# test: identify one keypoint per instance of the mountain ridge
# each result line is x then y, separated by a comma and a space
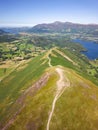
53, 94
62, 27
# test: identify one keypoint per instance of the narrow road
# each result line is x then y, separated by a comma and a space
62, 84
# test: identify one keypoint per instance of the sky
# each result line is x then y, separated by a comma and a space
32, 12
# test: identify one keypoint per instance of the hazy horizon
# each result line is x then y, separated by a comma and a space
20, 13
30, 25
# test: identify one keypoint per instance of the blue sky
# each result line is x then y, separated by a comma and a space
32, 12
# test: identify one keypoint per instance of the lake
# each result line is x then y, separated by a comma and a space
91, 47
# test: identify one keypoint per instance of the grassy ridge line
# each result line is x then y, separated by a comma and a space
61, 84
35, 114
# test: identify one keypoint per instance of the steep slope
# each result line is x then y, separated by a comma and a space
51, 94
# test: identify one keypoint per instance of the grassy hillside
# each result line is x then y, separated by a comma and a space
78, 62
18, 81
77, 108
27, 94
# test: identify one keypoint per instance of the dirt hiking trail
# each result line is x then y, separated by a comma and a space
61, 84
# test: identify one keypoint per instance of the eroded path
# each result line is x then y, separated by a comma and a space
62, 84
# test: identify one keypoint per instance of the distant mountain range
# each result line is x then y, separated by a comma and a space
56, 27
63, 27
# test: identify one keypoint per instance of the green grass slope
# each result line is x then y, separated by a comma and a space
17, 82
77, 108
27, 94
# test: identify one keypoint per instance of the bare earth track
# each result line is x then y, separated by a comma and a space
62, 84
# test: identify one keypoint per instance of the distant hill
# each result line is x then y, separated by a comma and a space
63, 27
15, 30
6, 36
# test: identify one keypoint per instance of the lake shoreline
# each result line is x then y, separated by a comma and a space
91, 48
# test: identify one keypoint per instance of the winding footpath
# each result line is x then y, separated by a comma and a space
49, 61
62, 84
